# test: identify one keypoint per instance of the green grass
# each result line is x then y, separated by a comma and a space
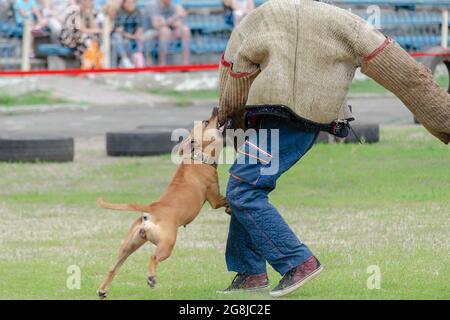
33, 98
386, 204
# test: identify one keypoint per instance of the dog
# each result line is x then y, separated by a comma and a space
92, 57
193, 184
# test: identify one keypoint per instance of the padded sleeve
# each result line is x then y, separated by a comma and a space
413, 83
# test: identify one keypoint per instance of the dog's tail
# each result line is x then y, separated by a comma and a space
123, 207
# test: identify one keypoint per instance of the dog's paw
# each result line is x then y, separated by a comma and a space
102, 294
151, 281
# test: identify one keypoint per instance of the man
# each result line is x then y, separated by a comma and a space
167, 20
288, 67
29, 10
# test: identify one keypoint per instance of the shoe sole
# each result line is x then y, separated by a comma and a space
284, 292
254, 290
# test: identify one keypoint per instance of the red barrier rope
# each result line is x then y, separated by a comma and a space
429, 54
157, 69
75, 72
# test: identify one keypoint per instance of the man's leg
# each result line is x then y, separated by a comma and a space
241, 255
268, 231
248, 191
164, 36
242, 258
184, 33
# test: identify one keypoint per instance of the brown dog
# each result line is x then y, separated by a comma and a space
192, 185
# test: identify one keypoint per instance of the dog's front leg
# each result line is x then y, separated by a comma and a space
163, 251
215, 199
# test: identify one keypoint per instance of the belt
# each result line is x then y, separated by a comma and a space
338, 128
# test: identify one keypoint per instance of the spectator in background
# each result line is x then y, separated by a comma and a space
80, 27
240, 8
28, 9
110, 10
127, 36
5, 10
167, 19
228, 12
54, 12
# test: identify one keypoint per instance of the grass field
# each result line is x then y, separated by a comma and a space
355, 205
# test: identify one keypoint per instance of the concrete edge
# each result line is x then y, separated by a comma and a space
42, 108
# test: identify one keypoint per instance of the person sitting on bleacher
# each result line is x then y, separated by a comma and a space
80, 29
28, 9
54, 11
167, 19
240, 9
127, 36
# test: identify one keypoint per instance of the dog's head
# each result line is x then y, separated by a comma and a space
205, 136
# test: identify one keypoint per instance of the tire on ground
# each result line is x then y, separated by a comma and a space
36, 149
323, 137
165, 127
139, 143
367, 133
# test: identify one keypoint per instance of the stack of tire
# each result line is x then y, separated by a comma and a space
20, 148
366, 133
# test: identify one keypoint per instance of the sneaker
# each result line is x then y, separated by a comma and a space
242, 282
126, 63
297, 277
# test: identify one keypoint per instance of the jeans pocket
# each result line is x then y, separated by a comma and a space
249, 163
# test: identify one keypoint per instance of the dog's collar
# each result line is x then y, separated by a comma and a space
198, 156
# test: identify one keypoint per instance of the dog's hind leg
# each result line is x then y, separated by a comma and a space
163, 251
130, 244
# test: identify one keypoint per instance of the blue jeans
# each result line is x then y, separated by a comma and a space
257, 231
120, 47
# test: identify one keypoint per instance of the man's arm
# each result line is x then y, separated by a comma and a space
236, 75
389, 65
413, 83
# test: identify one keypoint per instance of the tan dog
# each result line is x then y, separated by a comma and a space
192, 185
92, 57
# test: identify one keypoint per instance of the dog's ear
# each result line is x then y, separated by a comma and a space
187, 143
215, 112
184, 145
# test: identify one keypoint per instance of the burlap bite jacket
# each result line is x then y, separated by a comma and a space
303, 55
